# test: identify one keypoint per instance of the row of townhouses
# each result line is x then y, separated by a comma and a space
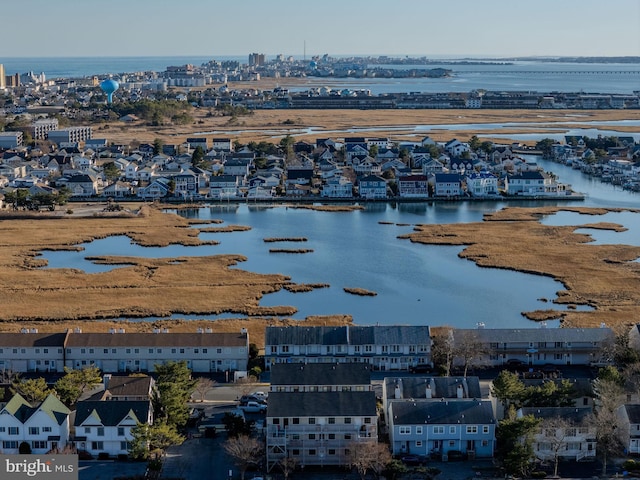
388, 347
118, 351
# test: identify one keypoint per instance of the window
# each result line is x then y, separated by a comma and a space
276, 421
452, 429
151, 350
39, 444
204, 350
34, 430
472, 429
332, 451
3, 429
438, 429
331, 420
173, 350
97, 445
182, 350
368, 348
45, 350
46, 429
10, 444
91, 351
295, 451
125, 446
418, 443
485, 443
15, 350
83, 350
367, 420
37, 350
347, 420
419, 430
312, 436
106, 350
14, 430
101, 431
136, 350
347, 436
332, 436
87, 430
385, 348
295, 421
312, 421
405, 430
452, 443
121, 431
128, 350
312, 451
485, 429
196, 350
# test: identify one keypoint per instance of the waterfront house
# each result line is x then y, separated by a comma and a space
223, 186
442, 429
338, 187
482, 184
537, 346
104, 427
372, 187
43, 426
159, 188
316, 413
388, 347
447, 185
456, 148
413, 186
564, 432
222, 144
529, 183
81, 185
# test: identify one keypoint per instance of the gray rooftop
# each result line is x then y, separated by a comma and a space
320, 374
520, 335
349, 335
570, 414
441, 413
441, 387
321, 404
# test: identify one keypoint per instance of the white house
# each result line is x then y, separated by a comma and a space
44, 426
105, 426
482, 184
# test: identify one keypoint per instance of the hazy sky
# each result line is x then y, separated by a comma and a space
337, 27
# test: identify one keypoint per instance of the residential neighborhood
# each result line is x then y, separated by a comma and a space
332, 393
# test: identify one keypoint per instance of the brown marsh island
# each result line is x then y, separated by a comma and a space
602, 276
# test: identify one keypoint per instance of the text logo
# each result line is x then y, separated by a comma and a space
46, 467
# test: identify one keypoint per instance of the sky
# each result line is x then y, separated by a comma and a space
493, 28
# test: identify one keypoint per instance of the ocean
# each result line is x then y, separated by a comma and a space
540, 76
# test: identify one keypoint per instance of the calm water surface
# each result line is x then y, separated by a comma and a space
415, 283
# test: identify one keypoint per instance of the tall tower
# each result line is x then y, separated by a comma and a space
3, 80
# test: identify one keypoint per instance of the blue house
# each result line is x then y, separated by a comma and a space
442, 428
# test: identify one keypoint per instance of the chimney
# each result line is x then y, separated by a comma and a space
428, 393
460, 391
398, 390
105, 380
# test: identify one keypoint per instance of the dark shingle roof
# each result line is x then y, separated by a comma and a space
465, 412
111, 413
321, 404
633, 412
349, 335
32, 339
320, 374
441, 387
570, 414
157, 339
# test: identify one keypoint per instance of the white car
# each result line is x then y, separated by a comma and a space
253, 407
261, 395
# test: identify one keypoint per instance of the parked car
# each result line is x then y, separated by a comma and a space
421, 368
244, 399
516, 365
453, 455
411, 460
262, 395
253, 407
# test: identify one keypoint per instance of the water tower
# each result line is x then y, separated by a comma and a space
109, 86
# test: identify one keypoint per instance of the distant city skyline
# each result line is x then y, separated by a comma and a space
493, 28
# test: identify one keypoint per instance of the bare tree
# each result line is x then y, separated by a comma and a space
287, 465
204, 386
365, 456
442, 350
468, 349
555, 431
609, 429
245, 450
